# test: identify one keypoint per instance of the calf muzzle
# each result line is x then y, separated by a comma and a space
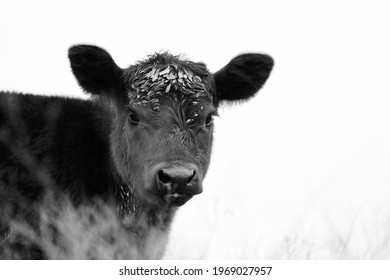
176, 184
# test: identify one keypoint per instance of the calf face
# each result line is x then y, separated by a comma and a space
161, 112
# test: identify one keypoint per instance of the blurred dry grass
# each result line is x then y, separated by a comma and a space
95, 232
339, 233
87, 232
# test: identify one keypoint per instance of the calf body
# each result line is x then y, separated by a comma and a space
134, 152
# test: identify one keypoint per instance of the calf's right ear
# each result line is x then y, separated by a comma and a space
94, 69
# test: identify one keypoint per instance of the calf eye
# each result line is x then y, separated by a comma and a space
133, 117
209, 120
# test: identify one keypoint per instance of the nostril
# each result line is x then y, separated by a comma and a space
163, 177
191, 177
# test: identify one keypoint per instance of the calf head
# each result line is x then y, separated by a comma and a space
162, 113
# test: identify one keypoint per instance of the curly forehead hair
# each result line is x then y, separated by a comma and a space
166, 74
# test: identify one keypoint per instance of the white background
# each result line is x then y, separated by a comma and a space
300, 171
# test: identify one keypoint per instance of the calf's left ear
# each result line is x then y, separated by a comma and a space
94, 69
243, 76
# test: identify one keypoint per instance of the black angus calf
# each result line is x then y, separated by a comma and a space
111, 171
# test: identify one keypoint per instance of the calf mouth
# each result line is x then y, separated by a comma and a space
164, 196
176, 199
170, 199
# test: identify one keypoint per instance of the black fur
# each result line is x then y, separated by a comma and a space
89, 152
